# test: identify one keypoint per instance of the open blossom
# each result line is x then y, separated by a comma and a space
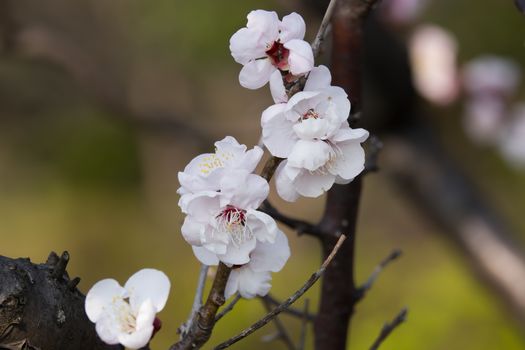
311, 130
226, 222
253, 278
205, 171
267, 45
127, 315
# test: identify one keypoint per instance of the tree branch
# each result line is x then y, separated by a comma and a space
300, 226
197, 300
308, 284
361, 291
282, 334
389, 328
228, 307
321, 33
290, 311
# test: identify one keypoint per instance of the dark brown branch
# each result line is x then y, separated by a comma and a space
290, 311
338, 290
204, 320
361, 291
282, 334
372, 155
389, 328
300, 226
308, 284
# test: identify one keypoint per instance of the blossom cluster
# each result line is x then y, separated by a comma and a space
221, 194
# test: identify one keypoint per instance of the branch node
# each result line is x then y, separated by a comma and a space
60, 267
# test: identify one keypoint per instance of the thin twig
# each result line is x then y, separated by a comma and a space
308, 284
389, 328
228, 307
300, 226
197, 300
375, 274
290, 311
281, 329
319, 38
304, 326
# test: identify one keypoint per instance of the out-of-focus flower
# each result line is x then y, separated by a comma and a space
205, 171
433, 53
126, 315
402, 11
491, 75
489, 82
512, 140
254, 277
311, 130
226, 221
267, 45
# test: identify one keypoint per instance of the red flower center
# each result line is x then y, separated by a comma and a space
278, 55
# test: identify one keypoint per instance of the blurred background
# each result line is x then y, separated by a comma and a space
103, 102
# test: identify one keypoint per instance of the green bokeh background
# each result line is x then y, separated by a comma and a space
76, 176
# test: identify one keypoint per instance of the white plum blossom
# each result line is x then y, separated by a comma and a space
311, 130
267, 45
205, 171
512, 139
127, 315
489, 83
253, 278
433, 55
226, 222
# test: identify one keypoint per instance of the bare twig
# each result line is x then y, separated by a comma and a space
290, 311
308, 284
197, 300
319, 38
300, 226
228, 307
304, 326
375, 274
389, 327
281, 329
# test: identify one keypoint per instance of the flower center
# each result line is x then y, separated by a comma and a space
311, 113
124, 316
232, 221
278, 55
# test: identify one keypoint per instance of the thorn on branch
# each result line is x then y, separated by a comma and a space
60, 266
389, 327
71, 285
361, 291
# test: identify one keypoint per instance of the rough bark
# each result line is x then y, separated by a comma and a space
41, 308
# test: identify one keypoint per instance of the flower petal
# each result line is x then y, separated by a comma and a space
292, 27
246, 45
238, 254
345, 133
251, 283
145, 315
100, 296
301, 59
193, 231
310, 129
255, 74
319, 78
201, 205
243, 190
351, 162
309, 154
205, 256
232, 286
108, 330
313, 185
137, 339
270, 256
278, 134
284, 185
262, 225
266, 23
148, 284
277, 88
